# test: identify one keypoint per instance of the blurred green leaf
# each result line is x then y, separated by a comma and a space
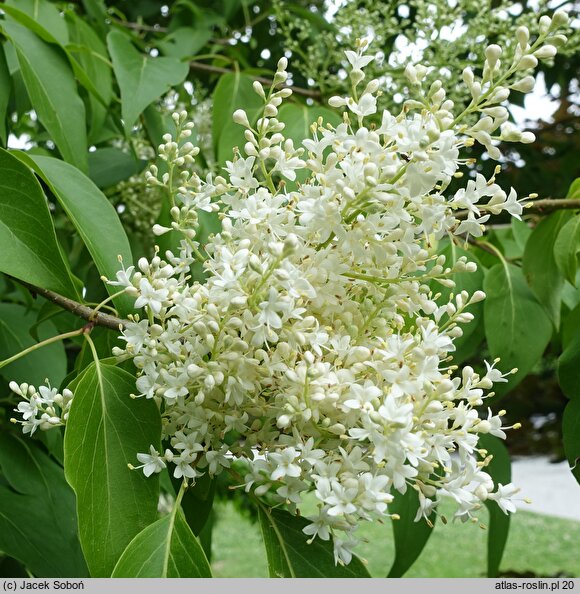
233, 91
197, 502
464, 281
410, 536
184, 42
540, 267
521, 232
567, 247
5, 90
34, 368
517, 327
108, 166
500, 471
38, 524
574, 190
571, 435
569, 361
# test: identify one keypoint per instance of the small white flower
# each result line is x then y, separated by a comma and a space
151, 462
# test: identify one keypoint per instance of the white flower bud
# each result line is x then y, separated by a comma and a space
250, 149
477, 297
356, 76
527, 137
559, 19
336, 101
499, 95
240, 117
372, 87
527, 61
497, 112
544, 24
523, 36
160, 230
475, 90
525, 85
468, 77
411, 74
545, 52
259, 89
492, 54
558, 40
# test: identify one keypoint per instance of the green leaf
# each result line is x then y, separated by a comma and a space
540, 267
574, 190
35, 26
567, 247
46, 362
571, 435
5, 90
290, 556
97, 12
38, 524
184, 42
165, 549
105, 430
570, 326
521, 232
109, 166
52, 90
104, 341
517, 327
40, 11
93, 216
92, 56
464, 281
141, 79
569, 361
499, 523
28, 246
156, 125
298, 119
233, 91
410, 536
197, 503
470, 347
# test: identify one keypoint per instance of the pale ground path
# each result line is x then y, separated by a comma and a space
551, 487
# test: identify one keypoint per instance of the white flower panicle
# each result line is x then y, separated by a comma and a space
316, 349
316, 340
41, 408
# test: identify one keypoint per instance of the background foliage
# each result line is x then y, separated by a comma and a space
86, 90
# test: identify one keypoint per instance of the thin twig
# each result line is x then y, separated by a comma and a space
141, 26
541, 207
548, 205
313, 94
78, 309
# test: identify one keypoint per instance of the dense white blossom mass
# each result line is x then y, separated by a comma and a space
316, 348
